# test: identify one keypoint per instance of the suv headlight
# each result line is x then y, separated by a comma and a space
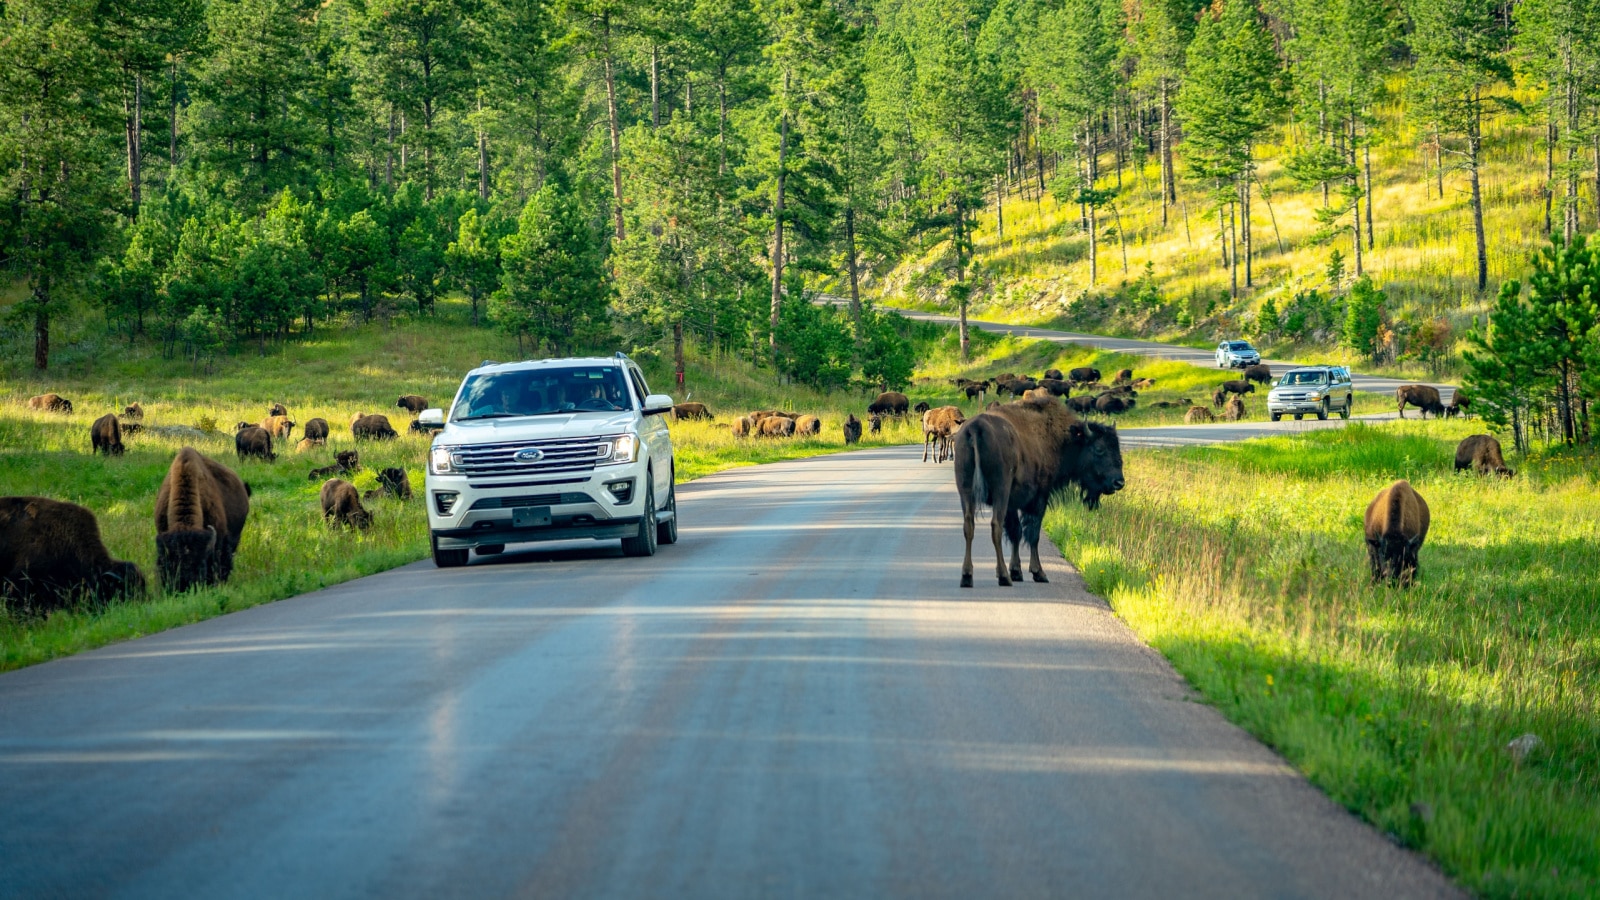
624, 448
1315, 395
444, 461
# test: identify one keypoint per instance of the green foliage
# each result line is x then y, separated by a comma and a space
1364, 317
814, 344
1267, 322
553, 290
887, 358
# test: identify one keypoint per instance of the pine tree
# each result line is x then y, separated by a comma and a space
553, 290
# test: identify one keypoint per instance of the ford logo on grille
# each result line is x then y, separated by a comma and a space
528, 454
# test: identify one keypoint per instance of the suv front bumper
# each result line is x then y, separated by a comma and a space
464, 513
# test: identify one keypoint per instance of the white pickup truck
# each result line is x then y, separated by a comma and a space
550, 450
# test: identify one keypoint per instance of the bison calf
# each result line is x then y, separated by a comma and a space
1396, 525
852, 429
341, 505
278, 426
1481, 454
105, 435
1197, 415
51, 554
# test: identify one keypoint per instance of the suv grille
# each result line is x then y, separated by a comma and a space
559, 455
531, 500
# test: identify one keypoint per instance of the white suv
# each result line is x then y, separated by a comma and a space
550, 450
1237, 355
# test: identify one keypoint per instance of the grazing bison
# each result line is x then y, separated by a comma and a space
1013, 460
253, 440
1083, 403
105, 436
1197, 415
1234, 411
1459, 402
308, 444
392, 482
50, 403
684, 411
51, 554
807, 425
939, 427
278, 426
341, 505
1125, 375
1113, 404
1238, 386
372, 428
976, 389
889, 403
317, 429
1140, 384
1260, 373
875, 423
741, 426
343, 461
777, 426
277, 409
133, 411
1084, 375
921, 407
1422, 397
1056, 387
1054, 375
1397, 524
200, 515
852, 429
1481, 454
411, 403
1171, 404
1219, 397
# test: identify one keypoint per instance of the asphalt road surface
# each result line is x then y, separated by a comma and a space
794, 701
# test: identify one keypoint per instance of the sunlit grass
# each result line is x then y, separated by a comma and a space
1245, 565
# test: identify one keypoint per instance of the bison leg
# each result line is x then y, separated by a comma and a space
1014, 534
1375, 560
1031, 526
969, 525
995, 526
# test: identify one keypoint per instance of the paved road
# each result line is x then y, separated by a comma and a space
794, 701
1207, 358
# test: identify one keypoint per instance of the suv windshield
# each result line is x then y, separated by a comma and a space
1305, 378
539, 392
1238, 345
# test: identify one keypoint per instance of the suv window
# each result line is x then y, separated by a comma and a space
544, 391
1305, 378
1239, 345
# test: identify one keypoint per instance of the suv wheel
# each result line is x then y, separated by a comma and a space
447, 559
1345, 412
667, 532
1277, 416
1322, 411
644, 543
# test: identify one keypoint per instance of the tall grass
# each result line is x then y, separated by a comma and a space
1245, 564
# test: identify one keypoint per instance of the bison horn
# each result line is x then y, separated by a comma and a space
211, 542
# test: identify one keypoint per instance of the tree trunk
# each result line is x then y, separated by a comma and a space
483, 158
1569, 216
388, 162
1366, 164
1549, 172
1169, 193
1244, 230
41, 323
1474, 148
777, 218
655, 86
616, 132
677, 352
1000, 207
850, 261
1355, 213
134, 107
1094, 247
1232, 238
961, 281
172, 149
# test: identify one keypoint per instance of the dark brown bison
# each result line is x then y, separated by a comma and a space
921, 407
50, 403
1481, 454
1057, 387
278, 426
1053, 375
1422, 397
1083, 403
200, 515
889, 403
1459, 403
806, 425
1113, 404
253, 440
133, 411
345, 461
852, 429
691, 411
938, 428
1124, 375
1259, 373
777, 426
411, 403
1013, 460
392, 482
741, 426
1017, 386
875, 423
277, 409
1171, 404
341, 505
1197, 415
105, 436
51, 554
317, 429
372, 428
976, 389
1397, 524
1084, 375
1238, 386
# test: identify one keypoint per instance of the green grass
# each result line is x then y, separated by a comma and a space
287, 549
1245, 565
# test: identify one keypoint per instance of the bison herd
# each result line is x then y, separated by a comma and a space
52, 553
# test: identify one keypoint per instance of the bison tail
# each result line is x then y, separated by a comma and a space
980, 491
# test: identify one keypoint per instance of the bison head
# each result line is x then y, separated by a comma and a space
121, 580
1099, 461
185, 558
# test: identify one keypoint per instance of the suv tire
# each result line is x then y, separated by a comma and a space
667, 532
447, 559
1322, 411
1345, 412
644, 543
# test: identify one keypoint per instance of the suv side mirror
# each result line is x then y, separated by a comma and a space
657, 404
431, 418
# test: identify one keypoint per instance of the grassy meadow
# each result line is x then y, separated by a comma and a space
287, 549
1245, 565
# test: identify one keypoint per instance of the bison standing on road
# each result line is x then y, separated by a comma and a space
200, 515
253, 440
51, 554
105, 435
1013, 460
341, 505
372, 428
889, 403
852, 429
1396, 525
1422, 397
939, 427
1481, 454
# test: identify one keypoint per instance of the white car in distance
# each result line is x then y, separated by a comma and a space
550, 450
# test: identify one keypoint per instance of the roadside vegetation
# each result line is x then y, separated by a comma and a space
1245, 564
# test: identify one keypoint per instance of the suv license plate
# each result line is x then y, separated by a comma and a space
530, 516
